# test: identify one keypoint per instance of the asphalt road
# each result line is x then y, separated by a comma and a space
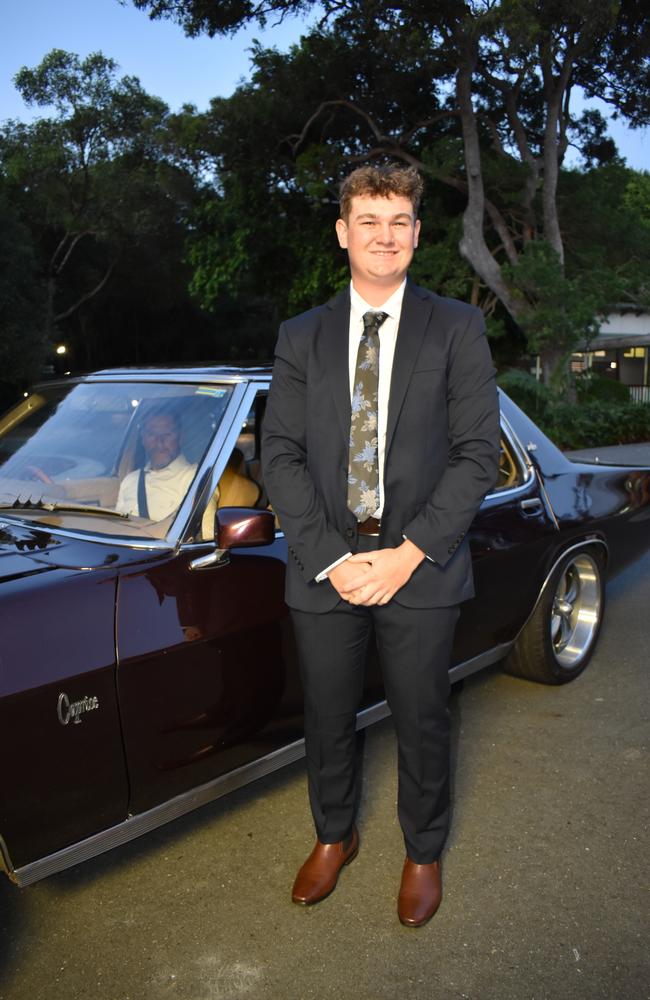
544, 896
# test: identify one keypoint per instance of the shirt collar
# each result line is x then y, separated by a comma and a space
392, 305
175, 466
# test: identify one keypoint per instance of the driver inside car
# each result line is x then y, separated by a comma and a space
156, 490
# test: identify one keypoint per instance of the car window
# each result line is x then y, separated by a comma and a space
510, 470
241, 482
126, 453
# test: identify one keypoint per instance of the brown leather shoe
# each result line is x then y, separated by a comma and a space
420, 893
319, 874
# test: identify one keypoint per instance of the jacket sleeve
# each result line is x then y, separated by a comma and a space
473, 458
313, 542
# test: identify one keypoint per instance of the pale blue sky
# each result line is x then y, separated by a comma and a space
178, 69
181, 70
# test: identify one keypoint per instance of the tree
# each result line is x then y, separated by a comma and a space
502, 73
265, 233
100, 190
78, 176
22, 302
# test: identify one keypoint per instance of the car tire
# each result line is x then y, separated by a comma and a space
559, 638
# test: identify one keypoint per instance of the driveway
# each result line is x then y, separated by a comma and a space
543, 873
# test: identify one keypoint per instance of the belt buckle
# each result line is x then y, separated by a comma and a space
371, 522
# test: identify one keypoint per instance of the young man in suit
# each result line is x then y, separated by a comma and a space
381, 437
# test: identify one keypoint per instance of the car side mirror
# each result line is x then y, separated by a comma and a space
238, 527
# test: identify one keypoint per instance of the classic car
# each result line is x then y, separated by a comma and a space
147, 663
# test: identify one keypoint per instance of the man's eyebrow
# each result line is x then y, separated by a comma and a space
373, 215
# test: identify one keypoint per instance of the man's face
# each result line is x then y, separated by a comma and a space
160, 439
380, 236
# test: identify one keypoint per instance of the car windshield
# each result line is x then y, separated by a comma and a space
115, 458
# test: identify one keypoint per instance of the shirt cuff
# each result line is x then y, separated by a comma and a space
324, 573
425, 555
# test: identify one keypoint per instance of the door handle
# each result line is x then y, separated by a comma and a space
531, 506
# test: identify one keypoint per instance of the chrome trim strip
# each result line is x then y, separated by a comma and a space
547, 499
524, 457
151, 544
486, 659
136, 826
194, 377
533, 469
524, 462
219, 452
373, 714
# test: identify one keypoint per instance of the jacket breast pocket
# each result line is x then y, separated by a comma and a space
430, 369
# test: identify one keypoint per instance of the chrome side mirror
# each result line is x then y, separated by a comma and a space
236, 528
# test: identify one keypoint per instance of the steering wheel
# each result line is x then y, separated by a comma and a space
38, 475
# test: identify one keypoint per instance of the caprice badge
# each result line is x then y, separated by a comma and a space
74, 710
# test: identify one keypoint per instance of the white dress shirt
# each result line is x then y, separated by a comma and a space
387, 342
165, 488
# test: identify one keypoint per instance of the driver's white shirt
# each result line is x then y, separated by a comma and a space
165, 488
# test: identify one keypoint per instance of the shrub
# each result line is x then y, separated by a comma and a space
523, 388
587, 425
595, 420
592, 387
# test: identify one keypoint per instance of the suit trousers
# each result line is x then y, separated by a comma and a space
414, 646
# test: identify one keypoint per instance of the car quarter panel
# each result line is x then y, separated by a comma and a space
613, 503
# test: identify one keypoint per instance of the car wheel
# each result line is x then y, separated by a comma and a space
559, 638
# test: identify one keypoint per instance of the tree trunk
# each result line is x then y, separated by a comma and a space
554, 368
472, 244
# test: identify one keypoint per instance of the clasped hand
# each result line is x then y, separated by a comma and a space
369, 578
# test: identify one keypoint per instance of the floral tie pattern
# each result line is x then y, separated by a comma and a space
363, 467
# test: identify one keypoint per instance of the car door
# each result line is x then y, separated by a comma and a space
508, 541
207, 679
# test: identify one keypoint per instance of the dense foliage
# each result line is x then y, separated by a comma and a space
602, 416
477, 94
136, 235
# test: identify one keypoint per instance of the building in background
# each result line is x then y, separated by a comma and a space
621, 350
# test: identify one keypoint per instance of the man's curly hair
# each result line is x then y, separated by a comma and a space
381, 182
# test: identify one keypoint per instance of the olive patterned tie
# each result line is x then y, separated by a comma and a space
363, 467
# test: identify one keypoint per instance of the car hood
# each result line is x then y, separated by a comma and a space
26, 550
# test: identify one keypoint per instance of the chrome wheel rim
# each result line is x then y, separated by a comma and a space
575, 614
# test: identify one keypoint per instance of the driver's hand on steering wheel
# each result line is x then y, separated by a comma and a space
37, 474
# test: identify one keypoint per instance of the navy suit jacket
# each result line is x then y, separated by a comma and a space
441, 455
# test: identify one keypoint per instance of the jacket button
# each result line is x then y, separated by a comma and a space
349, 532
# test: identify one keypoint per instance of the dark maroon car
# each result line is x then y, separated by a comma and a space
146, 657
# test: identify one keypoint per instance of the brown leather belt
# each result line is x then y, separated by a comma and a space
371, 526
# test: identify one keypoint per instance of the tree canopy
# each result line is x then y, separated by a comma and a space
141, 235
478, 95
96, 185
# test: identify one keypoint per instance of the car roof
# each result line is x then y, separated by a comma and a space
172, 373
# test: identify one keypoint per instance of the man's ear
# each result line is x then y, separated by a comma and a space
342, 233
416, 233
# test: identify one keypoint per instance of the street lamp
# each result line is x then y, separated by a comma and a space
61, 349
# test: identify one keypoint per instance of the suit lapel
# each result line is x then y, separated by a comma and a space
336, 331
416, 310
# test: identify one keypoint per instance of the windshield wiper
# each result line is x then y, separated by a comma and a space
53, 505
